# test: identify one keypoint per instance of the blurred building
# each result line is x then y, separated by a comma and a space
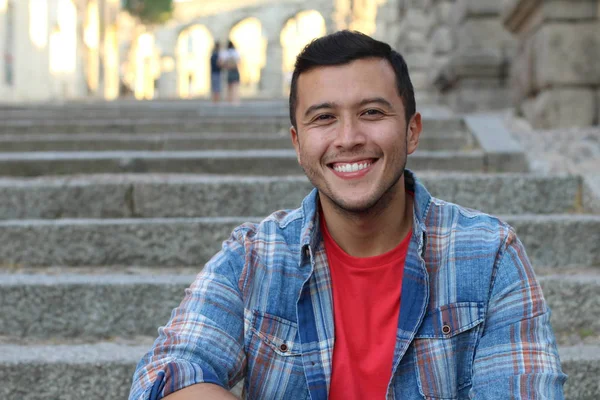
539, 56
173, 60
58, 49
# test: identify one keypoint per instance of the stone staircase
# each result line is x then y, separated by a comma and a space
108, 211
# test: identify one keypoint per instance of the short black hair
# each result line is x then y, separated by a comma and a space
343, 47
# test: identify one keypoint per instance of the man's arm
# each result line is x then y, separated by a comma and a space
203, 342
517, 357
204, 391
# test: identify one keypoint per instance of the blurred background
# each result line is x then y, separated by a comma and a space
120, 177
540, 57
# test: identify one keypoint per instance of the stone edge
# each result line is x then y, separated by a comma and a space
502, 152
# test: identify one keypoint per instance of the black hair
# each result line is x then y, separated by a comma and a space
343, 47
230, 45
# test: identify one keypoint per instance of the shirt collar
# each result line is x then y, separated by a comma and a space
310, 234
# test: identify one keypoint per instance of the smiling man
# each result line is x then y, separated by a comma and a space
372, 289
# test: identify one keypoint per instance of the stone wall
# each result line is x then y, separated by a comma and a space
412, 43
473, 52
556, 73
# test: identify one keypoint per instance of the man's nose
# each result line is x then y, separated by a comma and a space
350, 134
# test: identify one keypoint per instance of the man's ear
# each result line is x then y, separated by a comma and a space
413, 133
295, 142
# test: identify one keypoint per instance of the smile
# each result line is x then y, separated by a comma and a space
354, 167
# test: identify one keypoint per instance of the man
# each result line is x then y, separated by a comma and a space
372, 289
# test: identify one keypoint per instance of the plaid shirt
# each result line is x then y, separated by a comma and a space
473, 321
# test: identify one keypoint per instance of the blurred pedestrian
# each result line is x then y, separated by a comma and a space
215, 73
230, 61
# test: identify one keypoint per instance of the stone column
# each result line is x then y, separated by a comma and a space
386, 23
412, 44
166, 47
474, 76
555, 78
271, 81
441, 40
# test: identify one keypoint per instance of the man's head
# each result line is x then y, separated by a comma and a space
344, 47
352, 127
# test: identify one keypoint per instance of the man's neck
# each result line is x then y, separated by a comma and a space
371, 234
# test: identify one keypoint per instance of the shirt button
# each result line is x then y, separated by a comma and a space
446, 329
283, 347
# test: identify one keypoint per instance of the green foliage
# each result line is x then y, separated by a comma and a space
150, 11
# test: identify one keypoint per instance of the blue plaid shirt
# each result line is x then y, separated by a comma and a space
473, 321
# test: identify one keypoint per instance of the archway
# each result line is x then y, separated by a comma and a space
297, 33
247, 36
194, 47
63, 39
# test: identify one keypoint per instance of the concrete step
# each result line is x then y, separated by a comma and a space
186, 141
582, 365
89, 302
206, 109
142, 109
551, 240
105, 302
188, 109
243, 162
168, 196
574, 298
434, 126
104, 371
148, 125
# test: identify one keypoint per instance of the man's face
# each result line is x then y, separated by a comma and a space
351, 138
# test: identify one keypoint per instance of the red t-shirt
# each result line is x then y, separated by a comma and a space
366, 305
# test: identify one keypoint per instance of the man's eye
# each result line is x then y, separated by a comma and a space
323, 117
372, 112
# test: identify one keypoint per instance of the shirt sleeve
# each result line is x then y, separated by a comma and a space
203, 342
517, 356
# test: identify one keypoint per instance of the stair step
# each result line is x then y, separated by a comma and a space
64, 302
574, 298
551, 240
249, 124
582, 364
105, 370
454, 141
244, 162
97, 303
65, 372
167, 196
432, 126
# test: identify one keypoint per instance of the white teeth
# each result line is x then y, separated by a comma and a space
351, 167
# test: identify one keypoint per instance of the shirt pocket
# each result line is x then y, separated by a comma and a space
445, 347
275, 369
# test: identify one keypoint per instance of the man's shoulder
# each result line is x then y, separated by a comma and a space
280, 225
443, 215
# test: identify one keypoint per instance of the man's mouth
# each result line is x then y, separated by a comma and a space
348, 167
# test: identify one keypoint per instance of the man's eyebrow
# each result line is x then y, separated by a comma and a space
319, 106
377, 100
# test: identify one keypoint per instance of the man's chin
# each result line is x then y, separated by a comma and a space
355, 206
